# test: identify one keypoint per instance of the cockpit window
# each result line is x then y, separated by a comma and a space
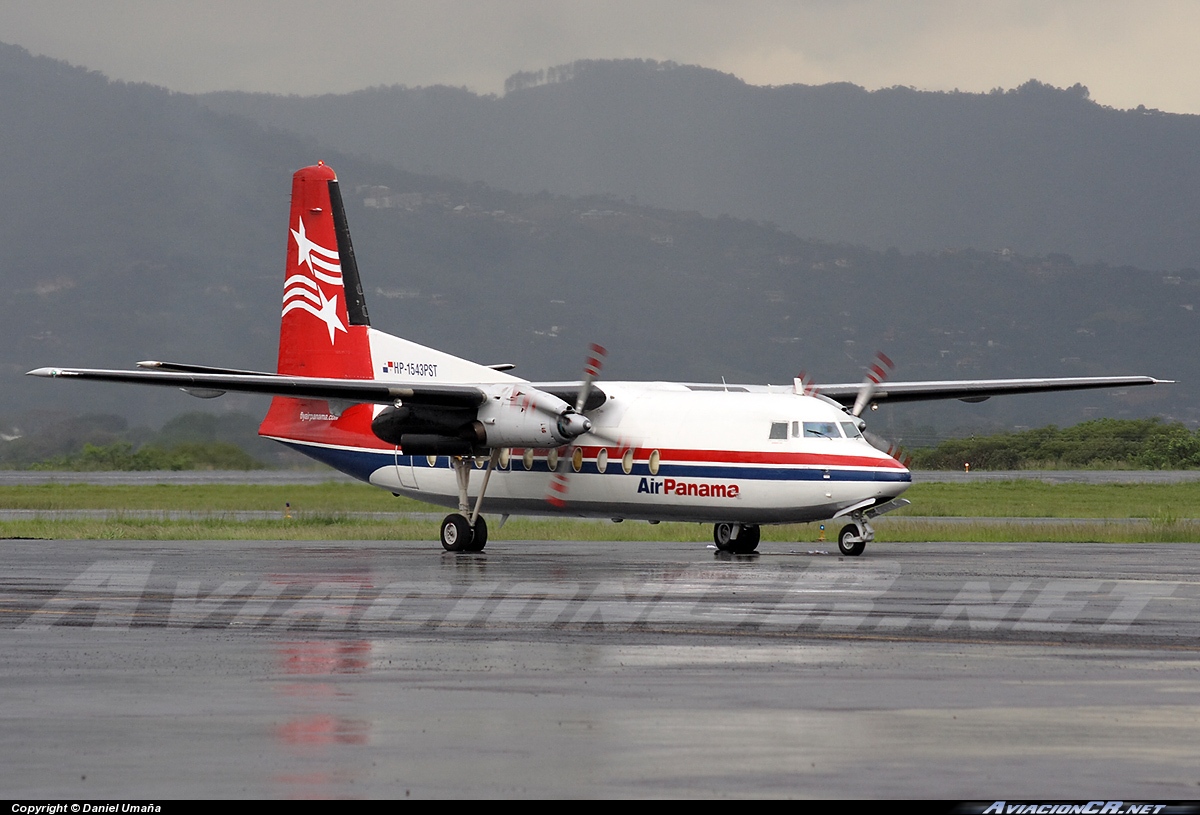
821, 430
778, 430
851, 430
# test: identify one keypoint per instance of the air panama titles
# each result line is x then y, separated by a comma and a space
670, 486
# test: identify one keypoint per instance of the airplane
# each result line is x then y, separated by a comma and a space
416, 421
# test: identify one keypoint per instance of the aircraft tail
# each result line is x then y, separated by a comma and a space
324, 325
324, 330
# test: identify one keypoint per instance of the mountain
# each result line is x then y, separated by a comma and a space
1035, 170
141, 224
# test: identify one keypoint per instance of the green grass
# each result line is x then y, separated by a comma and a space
330, 497
1036, 499
1167, 513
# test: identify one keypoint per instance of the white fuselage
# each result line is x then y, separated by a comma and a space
668, 451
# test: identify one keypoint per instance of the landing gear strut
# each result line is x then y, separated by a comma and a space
737, 539
466, 530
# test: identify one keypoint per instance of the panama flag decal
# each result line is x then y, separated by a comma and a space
303, 290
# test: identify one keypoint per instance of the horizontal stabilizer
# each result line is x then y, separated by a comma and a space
183, 367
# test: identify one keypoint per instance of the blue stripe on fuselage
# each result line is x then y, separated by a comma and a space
356, 463
360, 463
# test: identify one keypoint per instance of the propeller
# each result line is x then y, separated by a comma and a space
894, 450
591, 369
804, 384
574, 424
880, 369
878, 372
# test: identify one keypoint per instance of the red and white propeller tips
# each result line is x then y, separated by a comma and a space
573, 425
894, 450
591, 369
878, 372
881, 368
803, 384
556, 496
595, 361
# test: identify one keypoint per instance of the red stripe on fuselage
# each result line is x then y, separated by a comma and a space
353, 430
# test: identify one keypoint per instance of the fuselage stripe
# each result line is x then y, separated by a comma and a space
360, 463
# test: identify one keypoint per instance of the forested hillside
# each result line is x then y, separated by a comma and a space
139, 224
1035, 169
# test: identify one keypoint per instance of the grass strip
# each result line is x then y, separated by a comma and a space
1166, 513
990, 499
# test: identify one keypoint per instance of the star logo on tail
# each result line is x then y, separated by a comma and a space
305, 293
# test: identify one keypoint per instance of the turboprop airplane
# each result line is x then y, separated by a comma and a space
417, 421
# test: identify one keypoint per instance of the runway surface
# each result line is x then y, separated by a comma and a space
279, 669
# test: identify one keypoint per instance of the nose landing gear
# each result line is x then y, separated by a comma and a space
852, 541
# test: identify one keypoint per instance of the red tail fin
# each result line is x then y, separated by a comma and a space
324, 323
323, 329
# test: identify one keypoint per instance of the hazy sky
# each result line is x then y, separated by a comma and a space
1127, 53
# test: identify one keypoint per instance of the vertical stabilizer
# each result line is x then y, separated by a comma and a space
323, 329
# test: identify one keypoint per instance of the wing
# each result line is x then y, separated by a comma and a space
977, 390
204, 381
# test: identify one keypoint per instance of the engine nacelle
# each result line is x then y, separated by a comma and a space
513, 420
426, 444
516, 416
393, 423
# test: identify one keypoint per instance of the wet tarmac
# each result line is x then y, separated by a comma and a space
158, 670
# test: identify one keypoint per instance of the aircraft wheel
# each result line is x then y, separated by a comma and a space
723, 537
478, 536
847, 543
747, 539
456, 534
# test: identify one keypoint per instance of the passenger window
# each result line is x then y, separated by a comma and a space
778, 430
821, 430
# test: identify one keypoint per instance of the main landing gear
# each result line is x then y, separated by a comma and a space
736, 539
466, 530
459, 536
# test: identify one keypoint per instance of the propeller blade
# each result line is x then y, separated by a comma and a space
591, 369
557, 495
894, 450
878, 372
560, 484
606, 437
803, 384
574, 424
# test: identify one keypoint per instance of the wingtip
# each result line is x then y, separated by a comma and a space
43, 372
